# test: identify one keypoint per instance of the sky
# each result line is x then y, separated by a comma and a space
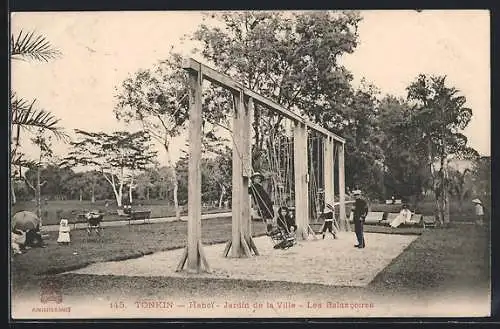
101, 49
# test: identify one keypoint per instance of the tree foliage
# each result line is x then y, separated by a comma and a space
24, 115
117, 156
292, 58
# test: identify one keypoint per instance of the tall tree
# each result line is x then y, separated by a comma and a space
292, 58
438, 117
157, 99
45, 152
405, 174
115, 155
364, 154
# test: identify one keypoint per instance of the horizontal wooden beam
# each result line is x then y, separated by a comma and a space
225, 81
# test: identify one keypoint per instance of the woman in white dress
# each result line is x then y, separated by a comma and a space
64, 237
403, 217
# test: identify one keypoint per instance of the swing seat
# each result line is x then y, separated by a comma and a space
281, 238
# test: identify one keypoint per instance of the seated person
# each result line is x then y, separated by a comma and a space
18, 240
403, 217
33, 239
285, 220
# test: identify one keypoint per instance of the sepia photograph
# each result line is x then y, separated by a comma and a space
250, 164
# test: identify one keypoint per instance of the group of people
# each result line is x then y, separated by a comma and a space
360, 210
24, 240
285, 220
405, 215
26, 232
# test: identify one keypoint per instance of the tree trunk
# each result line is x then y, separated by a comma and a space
13, 190
38, 194
130, 188
147, 193
222, 193
81, 195
445, 198
176, 201
176, 183
118, 193
446, 210
92, 194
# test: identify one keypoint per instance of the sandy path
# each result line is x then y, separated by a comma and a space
329, 262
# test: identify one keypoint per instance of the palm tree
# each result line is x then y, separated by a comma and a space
24, 115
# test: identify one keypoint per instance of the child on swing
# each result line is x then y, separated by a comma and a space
285, 220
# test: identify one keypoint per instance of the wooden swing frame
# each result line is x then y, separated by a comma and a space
241, 243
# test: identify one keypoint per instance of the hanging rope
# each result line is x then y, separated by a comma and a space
281, 169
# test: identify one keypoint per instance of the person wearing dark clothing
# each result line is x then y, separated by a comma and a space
328, 216
359, 214
33, 239
261, 197
285, 220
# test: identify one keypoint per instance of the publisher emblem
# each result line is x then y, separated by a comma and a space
51, 291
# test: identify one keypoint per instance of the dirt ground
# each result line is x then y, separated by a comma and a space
328, 262
444, 272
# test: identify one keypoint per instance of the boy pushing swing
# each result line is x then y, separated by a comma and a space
328, 215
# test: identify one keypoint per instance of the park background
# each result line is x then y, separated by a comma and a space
92, 66
381, 76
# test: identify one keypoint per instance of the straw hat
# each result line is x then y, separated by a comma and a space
476, 201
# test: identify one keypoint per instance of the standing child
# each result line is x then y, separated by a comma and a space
328, 214
64, 237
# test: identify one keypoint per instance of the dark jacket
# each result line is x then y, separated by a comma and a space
263, 200
360, 209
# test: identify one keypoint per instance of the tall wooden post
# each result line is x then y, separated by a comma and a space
241, 242
301, 181
194, 251
344, 223
247, 165
328, 170
334, 154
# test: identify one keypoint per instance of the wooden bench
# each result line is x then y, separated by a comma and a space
373, 217
139, 214
428, 221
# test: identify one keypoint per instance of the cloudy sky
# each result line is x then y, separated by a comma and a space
100, 49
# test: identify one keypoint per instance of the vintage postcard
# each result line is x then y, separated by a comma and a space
250, 164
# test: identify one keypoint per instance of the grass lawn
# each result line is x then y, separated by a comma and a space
53, 211
439, 260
